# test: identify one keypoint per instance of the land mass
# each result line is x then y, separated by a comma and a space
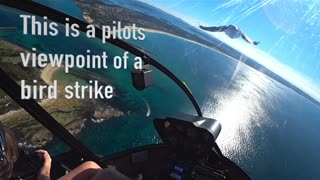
71, 113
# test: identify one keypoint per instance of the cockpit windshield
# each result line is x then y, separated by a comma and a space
252, 65
106, 126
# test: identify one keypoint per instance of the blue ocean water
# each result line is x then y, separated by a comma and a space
267, 129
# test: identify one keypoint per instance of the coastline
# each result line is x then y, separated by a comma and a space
179, 37
182, 38
70, 113
191, 41
150, 24
48, 73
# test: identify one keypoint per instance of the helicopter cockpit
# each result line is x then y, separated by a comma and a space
184, 146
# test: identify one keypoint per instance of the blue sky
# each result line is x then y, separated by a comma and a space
289, 30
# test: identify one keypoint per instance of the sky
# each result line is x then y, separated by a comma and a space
288, 30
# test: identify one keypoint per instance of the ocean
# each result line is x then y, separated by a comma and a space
267, 129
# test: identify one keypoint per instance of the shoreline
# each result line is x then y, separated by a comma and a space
191, 41
87, 18
70, 113
179, 37
48, 73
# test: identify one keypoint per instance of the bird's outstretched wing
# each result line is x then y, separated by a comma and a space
214, 28
246, 38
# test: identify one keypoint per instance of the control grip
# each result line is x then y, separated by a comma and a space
28, 164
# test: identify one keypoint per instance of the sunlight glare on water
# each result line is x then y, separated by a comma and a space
241, 110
